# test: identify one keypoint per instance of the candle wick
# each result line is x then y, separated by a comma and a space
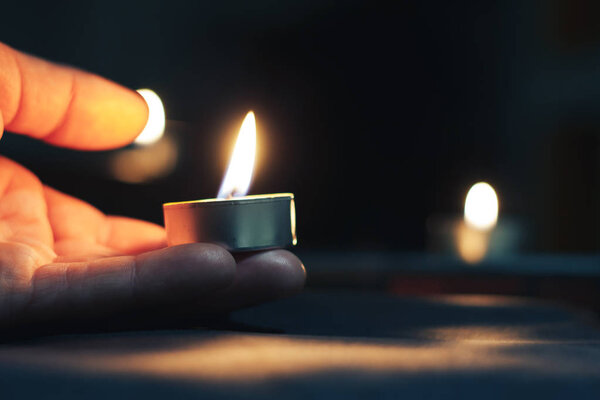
230, 195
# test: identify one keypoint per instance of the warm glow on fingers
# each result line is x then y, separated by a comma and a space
239, 173
481, 206
155, 126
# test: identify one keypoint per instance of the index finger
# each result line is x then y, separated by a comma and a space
65, 106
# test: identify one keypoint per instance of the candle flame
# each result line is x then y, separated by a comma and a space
481, 207
481, 215
155, 126
239, 173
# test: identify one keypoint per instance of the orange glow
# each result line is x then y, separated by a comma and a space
235, 358
471, 243
143, 164
239, 173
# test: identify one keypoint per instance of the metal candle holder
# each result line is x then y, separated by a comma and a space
238, 224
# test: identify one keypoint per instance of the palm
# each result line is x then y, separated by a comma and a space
58, 252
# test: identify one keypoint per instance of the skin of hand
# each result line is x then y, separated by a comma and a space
59, 256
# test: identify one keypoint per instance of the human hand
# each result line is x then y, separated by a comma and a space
61, 256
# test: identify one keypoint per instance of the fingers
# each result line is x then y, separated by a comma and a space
201, 278
133, 236
260, 277
65, 106
175, 275
82, 232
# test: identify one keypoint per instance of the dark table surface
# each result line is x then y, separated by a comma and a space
332, 344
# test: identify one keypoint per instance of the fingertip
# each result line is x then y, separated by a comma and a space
134, 236
291, 271
101, 115
280, 271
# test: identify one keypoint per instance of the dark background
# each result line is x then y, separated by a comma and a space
376, 115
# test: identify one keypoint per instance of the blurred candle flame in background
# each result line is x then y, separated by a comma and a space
481, 206
239, 172
480, 218
155, 126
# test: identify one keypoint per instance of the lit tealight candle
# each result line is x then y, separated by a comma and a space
480, 218
234, 220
